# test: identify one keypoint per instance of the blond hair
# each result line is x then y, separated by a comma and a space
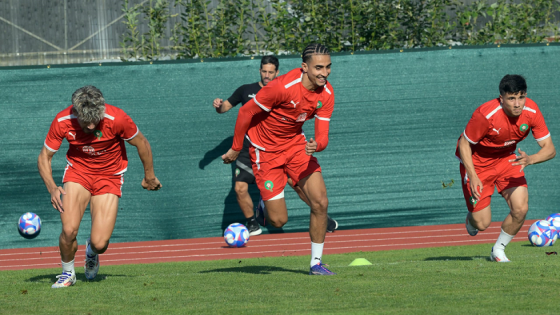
89, 104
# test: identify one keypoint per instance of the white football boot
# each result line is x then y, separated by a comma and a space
498, 256
66, 279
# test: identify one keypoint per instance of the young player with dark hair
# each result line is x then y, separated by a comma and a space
272, 121
269, 69
486, 150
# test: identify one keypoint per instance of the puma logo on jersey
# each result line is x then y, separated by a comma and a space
72, 134
251, 95
295, 104
497, 131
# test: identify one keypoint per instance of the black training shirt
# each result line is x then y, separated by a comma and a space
244, 93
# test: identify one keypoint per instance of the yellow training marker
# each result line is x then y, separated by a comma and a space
360, 262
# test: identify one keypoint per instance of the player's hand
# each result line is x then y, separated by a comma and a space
217, 103
522, 159
310, 147
151, 184
475, 184
56, 202
230, 156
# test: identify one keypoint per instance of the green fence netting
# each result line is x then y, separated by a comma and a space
393, 133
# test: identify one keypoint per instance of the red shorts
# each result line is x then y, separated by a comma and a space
272, 169
95, 184
500, 174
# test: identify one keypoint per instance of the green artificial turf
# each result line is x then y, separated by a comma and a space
445, 280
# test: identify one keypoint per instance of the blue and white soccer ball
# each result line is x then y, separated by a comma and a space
554, 220
542, 233
236, 235
29, 225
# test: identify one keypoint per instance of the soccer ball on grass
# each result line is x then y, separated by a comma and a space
542, 233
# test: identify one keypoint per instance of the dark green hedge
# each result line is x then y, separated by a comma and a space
243, 27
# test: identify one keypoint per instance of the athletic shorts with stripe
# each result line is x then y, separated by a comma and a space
243, 170
500, 174
272, 169
95, 184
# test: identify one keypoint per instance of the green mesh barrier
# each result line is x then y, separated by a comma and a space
393, 133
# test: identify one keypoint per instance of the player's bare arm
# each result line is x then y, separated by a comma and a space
44, 163
546, 153
221, 106
466, 156
150, 181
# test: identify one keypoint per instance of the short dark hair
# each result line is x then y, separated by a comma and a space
270, 60
314, 49
513, 84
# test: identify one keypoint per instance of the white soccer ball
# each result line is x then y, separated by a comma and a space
542, 233
29, 225
236, 235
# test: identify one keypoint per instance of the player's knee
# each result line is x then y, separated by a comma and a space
520, 213
320, 206
482, 225
241, 189
99, 246
69, 234
278, 222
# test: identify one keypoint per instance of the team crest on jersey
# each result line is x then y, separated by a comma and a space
473, 201
268, 185
237, 172
523, 128
301, 117
98, 134
319, 104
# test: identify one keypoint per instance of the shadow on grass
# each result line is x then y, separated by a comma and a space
258, 270
79, 276
443, 258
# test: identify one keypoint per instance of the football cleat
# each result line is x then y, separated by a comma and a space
498, 256
91, 266
331, 225
470, 229
254, 228
66, 279
260, 214
320, 270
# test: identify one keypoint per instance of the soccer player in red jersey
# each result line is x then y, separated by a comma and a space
244, 172
272, 121
97, 161
486, 150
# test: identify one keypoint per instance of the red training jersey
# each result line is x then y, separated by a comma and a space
288, 105
492, 134
102, 152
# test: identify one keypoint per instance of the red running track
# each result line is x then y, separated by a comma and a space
269, 245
